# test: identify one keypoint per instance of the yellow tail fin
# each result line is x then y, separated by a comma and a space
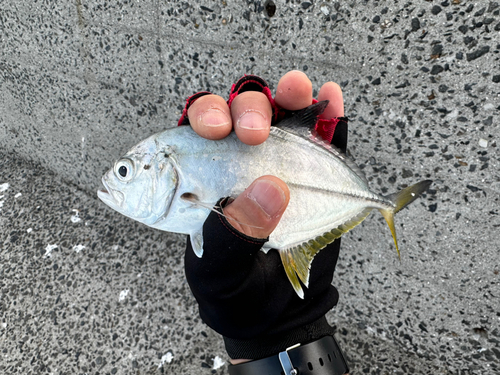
402, 199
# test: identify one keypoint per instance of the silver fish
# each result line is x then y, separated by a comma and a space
171, 180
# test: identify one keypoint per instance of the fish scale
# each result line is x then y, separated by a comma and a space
174, 178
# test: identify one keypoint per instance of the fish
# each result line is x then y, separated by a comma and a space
172, 180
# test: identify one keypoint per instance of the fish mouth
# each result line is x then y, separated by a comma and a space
110, 196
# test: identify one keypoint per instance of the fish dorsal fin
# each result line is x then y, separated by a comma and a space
304, 120
297, 259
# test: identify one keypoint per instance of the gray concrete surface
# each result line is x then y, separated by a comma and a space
82, 81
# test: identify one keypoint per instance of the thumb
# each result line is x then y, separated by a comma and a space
258, 210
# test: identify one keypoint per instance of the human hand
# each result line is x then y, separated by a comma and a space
264, 201
243, 293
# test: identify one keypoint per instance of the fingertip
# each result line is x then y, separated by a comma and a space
294, 91
253, 137
251, 114
210, 117
332, 92
280, 185
271, 194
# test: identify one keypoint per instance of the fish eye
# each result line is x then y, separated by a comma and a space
124, 170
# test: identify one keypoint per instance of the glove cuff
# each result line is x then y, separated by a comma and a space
265, 346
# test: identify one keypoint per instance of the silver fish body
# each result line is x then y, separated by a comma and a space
328, 193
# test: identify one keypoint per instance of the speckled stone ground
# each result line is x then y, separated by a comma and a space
81, 82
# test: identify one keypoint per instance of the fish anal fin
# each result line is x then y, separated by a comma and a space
297, 259
286, 259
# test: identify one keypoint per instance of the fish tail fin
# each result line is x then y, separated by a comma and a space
389, 218
401, 199
404, 197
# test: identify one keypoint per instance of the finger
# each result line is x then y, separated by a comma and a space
332, 92
210, 117
251, 113
294, 91
258, 210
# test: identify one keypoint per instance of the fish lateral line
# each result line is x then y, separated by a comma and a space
193, 199
375, 199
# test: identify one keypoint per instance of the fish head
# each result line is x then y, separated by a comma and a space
141, 184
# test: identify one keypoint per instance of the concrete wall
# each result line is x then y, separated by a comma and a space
83, 81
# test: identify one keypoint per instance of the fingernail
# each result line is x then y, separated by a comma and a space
214, 117
268, 195
253, 120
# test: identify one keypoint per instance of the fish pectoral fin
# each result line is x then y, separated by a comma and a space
193, 199
197, 242
265, 248
297, 259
